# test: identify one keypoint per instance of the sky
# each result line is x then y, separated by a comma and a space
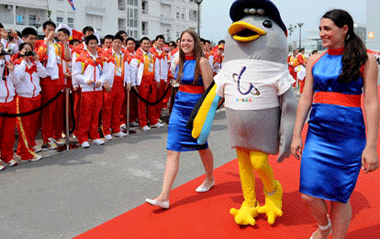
215, 18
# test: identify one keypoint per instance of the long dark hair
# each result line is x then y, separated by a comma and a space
198, 54
355, 53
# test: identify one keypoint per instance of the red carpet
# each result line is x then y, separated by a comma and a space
207, 215
193, 215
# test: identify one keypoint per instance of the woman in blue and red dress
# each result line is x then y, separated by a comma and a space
194, 74
336, 146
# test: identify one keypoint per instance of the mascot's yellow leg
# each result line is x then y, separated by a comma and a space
272, 189
248, 210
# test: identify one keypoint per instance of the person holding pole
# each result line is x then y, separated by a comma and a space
117, 83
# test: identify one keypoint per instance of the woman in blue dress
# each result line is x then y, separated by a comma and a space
194, 74
337, 145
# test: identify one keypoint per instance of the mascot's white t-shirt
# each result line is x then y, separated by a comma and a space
252, 84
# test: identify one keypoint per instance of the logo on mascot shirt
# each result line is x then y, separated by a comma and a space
251, 86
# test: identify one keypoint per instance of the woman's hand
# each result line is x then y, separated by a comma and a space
296, 147
10, 65
370, 162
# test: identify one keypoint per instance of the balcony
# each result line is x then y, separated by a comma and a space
97, 11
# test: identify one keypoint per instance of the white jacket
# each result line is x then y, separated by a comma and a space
85, 71
7, 89
111, 71
29, 84
137, 69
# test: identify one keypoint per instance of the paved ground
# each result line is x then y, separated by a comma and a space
68, 193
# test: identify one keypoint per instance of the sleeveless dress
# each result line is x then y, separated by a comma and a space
331, 159
179, 137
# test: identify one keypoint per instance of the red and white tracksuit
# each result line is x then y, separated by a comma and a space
216, 61
118, 77
53, 114
75, 53
163, 67
28, 98
88, 67
144, 74
7, 105
301, 74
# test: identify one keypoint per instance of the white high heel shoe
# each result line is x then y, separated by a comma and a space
325, 228
155, 202
203, 188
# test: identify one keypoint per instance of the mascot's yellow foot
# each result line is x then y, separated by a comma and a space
246, 214
273, 204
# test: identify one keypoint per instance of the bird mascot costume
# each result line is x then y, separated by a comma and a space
260, 103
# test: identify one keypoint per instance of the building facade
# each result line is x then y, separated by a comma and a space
168, 17
137, 17
373, 26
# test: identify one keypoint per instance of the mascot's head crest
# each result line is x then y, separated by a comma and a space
243, 8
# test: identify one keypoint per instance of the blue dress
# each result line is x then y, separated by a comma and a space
331, 159
179, 137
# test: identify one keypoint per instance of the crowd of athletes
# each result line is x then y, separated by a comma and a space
107, 78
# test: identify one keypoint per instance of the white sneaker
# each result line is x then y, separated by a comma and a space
2, 167
85, 145
108, 137
37, 148
123, 127
120, 134
134, 124
12, 162
98, 141
145, 128
35, 158
59, 142
51, 144
158, 125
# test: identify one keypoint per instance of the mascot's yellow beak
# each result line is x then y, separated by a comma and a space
245, 32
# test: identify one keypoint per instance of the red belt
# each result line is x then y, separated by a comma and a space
334, 98
191, 89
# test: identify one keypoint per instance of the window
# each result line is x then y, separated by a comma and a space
177, 15
70, 22
70, 19
135, 14
144, 28
121, 24
95, 21
121, 5
32, 20
144, 7
177, 34
183, 16
135, 34
193, 15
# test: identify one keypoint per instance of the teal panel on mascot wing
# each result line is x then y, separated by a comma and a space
273, 46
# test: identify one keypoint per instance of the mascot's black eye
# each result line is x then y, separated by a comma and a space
267, 24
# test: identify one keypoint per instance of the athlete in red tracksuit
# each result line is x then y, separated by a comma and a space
146, 78
7, 105
114, 89
53, 115
75, 53
29, 70
90, 70
163, 67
